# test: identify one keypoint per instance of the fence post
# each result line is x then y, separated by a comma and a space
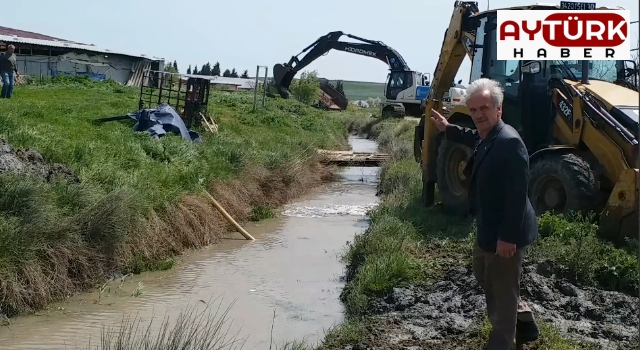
255, 88
264, 86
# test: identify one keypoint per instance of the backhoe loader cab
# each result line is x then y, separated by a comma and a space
580, 125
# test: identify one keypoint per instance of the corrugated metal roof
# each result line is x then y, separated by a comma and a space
31, 35
71, 45
242, 82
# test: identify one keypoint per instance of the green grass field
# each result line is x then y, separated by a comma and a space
361, 90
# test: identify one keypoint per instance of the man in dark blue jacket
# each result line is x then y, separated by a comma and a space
8, 71
498, 174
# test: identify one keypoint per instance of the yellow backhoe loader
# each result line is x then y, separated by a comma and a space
580, 126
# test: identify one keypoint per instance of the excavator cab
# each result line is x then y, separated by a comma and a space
397, 82
580, 126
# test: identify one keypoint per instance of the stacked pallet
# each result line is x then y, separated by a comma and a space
346, 158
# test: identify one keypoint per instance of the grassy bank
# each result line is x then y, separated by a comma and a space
407, 244
137, 202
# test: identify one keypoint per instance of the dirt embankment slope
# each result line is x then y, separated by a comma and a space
410, 285
123, 202
29, 161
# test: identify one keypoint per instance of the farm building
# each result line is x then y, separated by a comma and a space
41, 55
226, 83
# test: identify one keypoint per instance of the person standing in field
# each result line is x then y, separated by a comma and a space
8, 71
498, 173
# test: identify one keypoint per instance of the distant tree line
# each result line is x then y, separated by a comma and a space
207, 69
340, 87
214, 70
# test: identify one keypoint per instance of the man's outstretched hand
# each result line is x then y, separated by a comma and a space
440, 121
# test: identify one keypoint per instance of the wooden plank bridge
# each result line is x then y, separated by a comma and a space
350, 158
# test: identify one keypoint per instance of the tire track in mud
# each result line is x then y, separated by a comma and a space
441, 314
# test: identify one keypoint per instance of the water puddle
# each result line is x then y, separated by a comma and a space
284, 285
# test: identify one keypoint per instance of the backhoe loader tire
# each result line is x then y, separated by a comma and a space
450, 162
562, 183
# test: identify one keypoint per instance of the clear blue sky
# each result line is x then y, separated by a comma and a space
245, 33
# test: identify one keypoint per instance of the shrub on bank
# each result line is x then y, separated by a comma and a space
137, 200
193, 329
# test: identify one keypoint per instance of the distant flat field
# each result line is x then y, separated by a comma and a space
361, 90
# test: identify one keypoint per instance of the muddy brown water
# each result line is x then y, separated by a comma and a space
292, 268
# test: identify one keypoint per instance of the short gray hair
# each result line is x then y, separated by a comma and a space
485, 84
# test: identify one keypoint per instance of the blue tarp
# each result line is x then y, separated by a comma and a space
158, 121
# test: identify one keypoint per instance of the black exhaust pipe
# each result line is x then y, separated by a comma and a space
585, 72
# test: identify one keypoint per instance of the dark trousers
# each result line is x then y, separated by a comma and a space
500, 279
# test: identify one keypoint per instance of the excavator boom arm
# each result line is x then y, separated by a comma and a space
283, 74
453, 49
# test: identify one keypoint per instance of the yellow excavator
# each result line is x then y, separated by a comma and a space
579, 123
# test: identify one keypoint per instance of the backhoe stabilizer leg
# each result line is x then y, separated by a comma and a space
428, 157
428, 191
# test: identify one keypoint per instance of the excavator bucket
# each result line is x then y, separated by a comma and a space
282, 77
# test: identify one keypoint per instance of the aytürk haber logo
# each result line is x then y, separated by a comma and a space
557, 35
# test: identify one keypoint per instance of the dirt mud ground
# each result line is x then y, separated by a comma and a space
20, 161
446, 314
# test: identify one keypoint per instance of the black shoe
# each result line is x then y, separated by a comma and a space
526, 332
